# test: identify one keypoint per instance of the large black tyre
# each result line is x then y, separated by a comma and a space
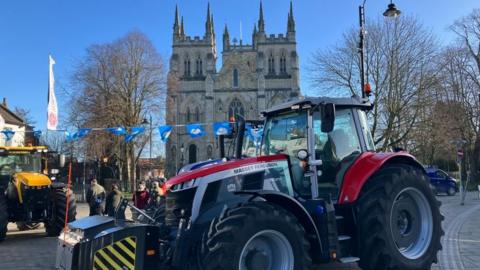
399, 221
3, 216
56, 219
225, 245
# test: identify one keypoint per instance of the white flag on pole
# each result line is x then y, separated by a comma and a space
52, 109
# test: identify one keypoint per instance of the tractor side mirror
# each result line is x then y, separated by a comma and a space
302, 154
327, 114
62, 160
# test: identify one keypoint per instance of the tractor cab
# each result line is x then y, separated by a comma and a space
322, 138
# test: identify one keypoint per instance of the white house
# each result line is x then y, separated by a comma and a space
13, 122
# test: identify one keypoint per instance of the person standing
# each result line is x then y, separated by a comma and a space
96, 198
140, 198
114, 198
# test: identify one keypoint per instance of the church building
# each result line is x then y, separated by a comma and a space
252, 78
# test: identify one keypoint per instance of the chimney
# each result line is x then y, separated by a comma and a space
4, 102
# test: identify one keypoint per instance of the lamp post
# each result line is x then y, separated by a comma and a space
181, 160
150, 148
391, 11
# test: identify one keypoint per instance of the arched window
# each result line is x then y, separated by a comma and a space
235, 108
271, 64
199, 67
197, 114
283, 64
192, 153
235, 77
189, 115
209, 152
186, 67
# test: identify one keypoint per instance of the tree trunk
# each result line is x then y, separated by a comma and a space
475, 161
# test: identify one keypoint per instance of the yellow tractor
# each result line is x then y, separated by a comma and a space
28, 196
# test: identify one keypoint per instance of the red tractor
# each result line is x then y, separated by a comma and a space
317, 193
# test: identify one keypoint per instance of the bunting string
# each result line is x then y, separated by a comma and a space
195, 130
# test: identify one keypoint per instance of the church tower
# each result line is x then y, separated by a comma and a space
252, 77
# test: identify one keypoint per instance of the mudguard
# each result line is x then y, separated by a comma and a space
294, 207
364, 167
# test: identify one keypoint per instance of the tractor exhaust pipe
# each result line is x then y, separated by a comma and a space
240, 136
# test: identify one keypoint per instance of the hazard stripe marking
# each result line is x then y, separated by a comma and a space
126, 250
109, 260
99, 264
119, 255
131, 242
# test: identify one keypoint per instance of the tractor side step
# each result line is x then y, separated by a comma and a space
349, 259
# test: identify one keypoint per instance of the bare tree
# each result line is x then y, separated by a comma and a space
461, 65
399, 54
118, 84
26, 116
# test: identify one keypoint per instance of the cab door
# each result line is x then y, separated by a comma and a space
337, 150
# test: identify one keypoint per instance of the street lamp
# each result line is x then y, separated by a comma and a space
181, 160
391, 11
147, 122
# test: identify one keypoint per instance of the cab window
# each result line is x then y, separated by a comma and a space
339, 146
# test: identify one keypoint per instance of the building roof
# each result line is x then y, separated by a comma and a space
312, 101
10, 117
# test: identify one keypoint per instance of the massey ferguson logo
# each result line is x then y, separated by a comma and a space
254, 167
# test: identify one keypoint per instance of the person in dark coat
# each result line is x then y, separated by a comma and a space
114, 198
141, 197
96, 198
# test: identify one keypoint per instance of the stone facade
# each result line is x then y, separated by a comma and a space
252, 78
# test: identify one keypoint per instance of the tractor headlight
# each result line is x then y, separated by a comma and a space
71, 237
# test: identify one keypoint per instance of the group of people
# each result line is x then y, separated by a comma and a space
102, 203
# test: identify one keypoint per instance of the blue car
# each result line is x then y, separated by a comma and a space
442, 182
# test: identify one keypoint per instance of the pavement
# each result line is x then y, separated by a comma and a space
28, 250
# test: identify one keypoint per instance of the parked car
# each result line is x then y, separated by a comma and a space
442, 182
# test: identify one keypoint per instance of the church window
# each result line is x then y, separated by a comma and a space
235, 108
192, 154
209, 152
199, 66
189, 115
235, 77
283, 65
197, 114
186, 67
271, 64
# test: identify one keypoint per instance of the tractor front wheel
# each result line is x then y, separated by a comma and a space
3, 216
399, 221
256, 235
56, 219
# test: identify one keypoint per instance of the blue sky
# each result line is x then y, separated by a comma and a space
30, 30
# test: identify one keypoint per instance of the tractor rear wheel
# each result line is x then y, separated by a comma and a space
3, 216
256, 235
56, 219
399, 220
